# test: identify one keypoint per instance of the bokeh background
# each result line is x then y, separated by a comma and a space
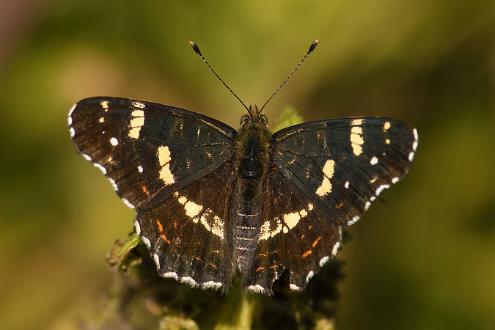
423, 259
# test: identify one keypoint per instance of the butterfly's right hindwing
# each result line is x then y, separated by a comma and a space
186, 233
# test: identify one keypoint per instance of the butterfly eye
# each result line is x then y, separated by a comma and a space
264, 120
244, 120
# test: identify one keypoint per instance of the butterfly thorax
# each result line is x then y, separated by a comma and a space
251, 159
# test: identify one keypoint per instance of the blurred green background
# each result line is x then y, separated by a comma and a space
424, 259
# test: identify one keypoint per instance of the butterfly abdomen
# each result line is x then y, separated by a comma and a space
245, 212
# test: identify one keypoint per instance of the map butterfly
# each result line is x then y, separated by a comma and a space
212, 201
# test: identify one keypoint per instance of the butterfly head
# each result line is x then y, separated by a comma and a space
254, 117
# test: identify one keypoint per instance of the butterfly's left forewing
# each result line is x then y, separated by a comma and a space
345, 164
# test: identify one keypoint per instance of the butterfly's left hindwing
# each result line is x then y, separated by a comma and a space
148, 150
295, 236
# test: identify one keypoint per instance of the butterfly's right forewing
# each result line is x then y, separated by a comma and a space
148, 150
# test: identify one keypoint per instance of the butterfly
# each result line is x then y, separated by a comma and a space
212, 201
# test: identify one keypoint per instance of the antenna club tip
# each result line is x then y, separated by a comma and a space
313, 45
195, 47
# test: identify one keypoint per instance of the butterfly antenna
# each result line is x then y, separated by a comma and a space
196, 49
310, 50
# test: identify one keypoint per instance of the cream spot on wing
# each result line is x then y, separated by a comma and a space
357, 137
192, 209
291, 219
171, 275
324, 260
217, 228
310, 276
326, 185
72, 110
367, 206
156, 260
386, 126
126, 202
137, 227
374, 160
136, 123
211, 285
387, 141
182, 200
266, 233
188, 280
101, 168
381, 188
411, 156
346, 185
136, 104
114, 141
164, 160
104, 105
294, 287
335, 248
140, 169
395, 180
101, 120
114, 185
265, 230
255, 288
353, 220
72, 132
146, 242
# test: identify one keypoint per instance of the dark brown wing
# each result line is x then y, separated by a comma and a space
344, 164
148, 150
186, 232
174, 167
295, 236
325, 175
